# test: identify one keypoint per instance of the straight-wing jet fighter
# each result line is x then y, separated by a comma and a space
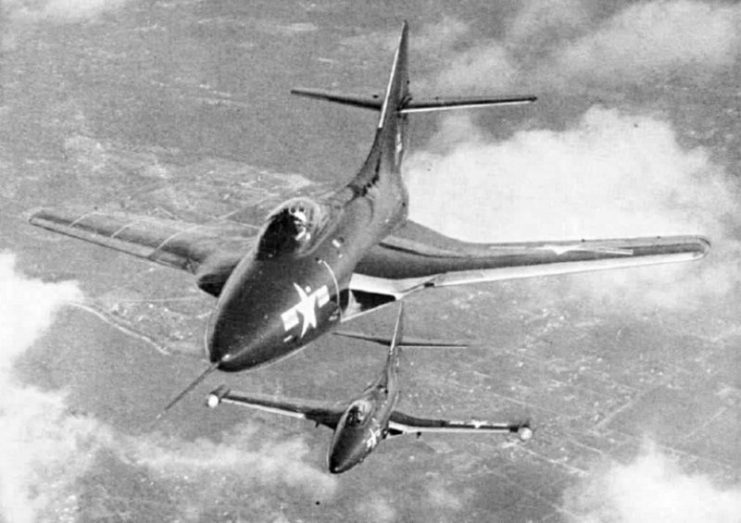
316, 263
369, 418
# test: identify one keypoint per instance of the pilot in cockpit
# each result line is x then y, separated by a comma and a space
290, 228
357, 413
300, 221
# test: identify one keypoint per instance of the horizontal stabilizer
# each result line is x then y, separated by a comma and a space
408, 343
363, 101
463, 102
438, 103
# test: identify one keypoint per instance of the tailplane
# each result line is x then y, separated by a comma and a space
398, 340
397, 100
394, 346
423, 105
407, 343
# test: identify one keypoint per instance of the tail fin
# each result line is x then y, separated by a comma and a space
392, 360
397, 90
397, 98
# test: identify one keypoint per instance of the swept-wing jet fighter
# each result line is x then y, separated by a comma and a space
316, 263
360, 425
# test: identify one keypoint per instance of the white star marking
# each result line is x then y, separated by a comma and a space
373, 440
306, 307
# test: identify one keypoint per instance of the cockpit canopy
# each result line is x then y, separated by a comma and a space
291, 228
358, 413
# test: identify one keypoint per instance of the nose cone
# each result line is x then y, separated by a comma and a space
348, 449
241, 341
263, 313
340, 463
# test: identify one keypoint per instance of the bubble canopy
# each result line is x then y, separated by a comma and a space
357, 414
291, 228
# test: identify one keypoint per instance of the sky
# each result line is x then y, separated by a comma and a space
631, 378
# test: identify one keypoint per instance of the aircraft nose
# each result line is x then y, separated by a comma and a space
347, 451
338, 465
244, 342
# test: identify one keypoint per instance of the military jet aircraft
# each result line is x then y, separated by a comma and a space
316, 263
369, 418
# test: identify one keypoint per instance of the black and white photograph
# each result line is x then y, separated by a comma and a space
326, 261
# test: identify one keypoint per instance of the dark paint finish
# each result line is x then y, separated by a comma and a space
370, 417
316, 263
354, 439
254, 321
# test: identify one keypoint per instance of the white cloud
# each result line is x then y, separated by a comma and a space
655, 39
652, 488
442, 35
539, 22
59, 10
35, 435
610, 174
27, 309
485, 67
563, 46
21, 16
242, 453
46, 448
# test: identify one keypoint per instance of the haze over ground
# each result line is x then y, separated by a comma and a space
632, 378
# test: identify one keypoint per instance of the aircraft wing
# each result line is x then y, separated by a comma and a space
209, 251
415, 257
319, 412
401, 423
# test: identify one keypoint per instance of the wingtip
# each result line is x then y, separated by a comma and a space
34, 215
705, 246
404, 30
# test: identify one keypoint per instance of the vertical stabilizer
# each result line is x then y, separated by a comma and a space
395, 345
397, 89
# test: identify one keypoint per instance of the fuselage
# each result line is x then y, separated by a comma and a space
283, 295
365, 422
292, 287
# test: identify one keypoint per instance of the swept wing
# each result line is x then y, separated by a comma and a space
210, 251
321, 413
416, 257
401, 423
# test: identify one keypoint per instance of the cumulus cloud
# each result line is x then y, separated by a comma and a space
655, 39
651, 488
537, 23
22, 16
27, 309
566, 46
47, 448
32, 421
610, 174
59, 10
243, 453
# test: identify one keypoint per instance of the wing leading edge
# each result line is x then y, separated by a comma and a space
209, 251
319, 412
401, 423
329, 415
416, 257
